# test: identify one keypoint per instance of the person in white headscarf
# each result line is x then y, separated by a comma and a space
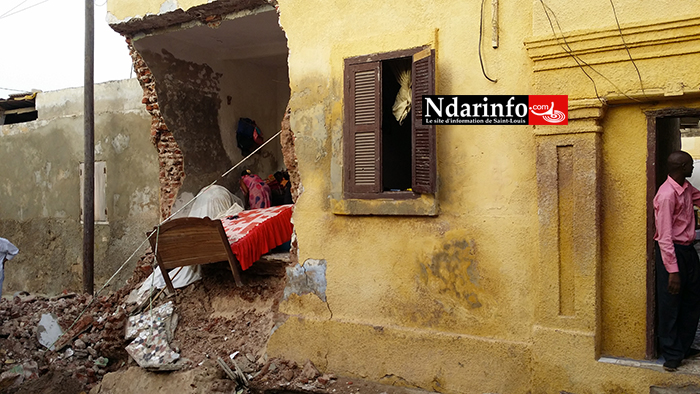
7, 252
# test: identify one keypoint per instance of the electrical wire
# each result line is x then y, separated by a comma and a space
13, 8
15, 90
626, 48
481, 28
544, 7
23, 9
576, 58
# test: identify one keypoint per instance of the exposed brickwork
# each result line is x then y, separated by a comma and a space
170, 158
289, 153
290, 161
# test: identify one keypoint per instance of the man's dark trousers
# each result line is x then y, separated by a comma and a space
678, 313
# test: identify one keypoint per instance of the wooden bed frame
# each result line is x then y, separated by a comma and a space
192, 241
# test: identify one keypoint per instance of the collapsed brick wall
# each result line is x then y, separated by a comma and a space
170, 158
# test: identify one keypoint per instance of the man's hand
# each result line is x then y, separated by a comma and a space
674, 283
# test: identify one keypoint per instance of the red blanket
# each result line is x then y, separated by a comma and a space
256, 231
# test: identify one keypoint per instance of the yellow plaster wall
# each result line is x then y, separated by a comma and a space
450, 302
414, 274
624, 232
660, 40
396, 285
463, 275
598, 14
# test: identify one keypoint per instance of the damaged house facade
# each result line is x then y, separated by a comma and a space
453, 258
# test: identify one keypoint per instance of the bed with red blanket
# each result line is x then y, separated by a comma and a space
239, 239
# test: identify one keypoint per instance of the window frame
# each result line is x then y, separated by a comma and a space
100, 197
349, 129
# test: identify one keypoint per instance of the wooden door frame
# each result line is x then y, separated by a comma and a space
651, 350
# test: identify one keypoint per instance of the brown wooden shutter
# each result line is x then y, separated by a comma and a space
362, 137
424, 179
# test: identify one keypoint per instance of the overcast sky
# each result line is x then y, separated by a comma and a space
43, 45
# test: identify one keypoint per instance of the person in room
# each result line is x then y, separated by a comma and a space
677, 263
257, 192
7, 252
284, 192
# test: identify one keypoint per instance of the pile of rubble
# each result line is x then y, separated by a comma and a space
219, 332
83, 337
91, 348
214, 319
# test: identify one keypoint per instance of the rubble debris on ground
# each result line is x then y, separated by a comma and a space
24, 342
74, 361
48, 330
215, 321
151, 333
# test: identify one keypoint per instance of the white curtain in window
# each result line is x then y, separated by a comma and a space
402, 104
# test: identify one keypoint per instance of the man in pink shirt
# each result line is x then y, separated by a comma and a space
677, 264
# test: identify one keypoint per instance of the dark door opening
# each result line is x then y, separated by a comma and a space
665, 132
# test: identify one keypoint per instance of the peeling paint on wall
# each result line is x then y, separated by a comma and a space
168, 5
120, 143
306, 279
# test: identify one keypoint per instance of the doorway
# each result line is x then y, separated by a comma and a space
668, 130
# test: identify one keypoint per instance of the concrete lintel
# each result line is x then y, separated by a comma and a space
203, 13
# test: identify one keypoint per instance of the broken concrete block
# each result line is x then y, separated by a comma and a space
156, 319
310, 372
48, 330
152, 352
83, 324
152, 331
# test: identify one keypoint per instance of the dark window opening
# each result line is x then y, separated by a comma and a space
396, 138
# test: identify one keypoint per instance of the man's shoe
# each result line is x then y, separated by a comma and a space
692, 353
672, 365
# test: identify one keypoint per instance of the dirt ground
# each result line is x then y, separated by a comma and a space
216, 320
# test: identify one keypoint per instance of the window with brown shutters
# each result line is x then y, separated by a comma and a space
423, 136
385, 157
362, 112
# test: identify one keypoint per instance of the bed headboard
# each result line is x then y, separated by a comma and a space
190, 241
